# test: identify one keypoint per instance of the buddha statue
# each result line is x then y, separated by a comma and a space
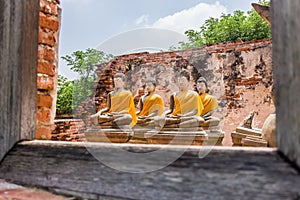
185, 105
151, 105
209, 102
120, 110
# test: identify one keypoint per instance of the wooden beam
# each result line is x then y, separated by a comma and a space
29, 63
228, 173
18, 63
263, 11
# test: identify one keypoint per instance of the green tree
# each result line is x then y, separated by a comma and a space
64, 93
230, 27
83, 62
72, 93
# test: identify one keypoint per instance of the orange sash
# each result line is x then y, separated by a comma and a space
153, 103
123, 102
187, 101
209, 103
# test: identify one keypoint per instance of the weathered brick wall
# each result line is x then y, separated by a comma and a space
68, 130
50, 15
239, 75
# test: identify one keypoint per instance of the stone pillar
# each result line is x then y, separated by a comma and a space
50, 16
286, 63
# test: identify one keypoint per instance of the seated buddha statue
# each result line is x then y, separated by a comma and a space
209, 102
120, 110
151, 105
185, 105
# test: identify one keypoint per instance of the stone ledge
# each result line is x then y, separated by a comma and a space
230, 173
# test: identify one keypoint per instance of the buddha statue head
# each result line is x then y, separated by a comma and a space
150, 85
183, 80
202, 85
119, 80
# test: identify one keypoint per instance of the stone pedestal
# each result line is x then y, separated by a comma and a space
177, 138
248, 137
97, 134
209, 133
206, 133
214, 138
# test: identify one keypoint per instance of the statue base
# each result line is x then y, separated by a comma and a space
98, 134
173, 133
214, 137
177, 138
248, 137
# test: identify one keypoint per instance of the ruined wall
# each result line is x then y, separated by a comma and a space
50, 15
239, 75
247, 79
68, 130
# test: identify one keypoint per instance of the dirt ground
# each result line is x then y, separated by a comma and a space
9, 191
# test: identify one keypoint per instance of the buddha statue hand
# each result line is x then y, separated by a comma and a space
142, 117
116, 114
95, 118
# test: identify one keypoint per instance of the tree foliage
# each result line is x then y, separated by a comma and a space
83, 62
71, 93
64, 93
229, 27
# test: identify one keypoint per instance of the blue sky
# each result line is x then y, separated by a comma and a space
91, 23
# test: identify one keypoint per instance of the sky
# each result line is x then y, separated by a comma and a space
126, 26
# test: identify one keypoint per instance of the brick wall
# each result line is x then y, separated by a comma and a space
50, 15
239, 75
68, 130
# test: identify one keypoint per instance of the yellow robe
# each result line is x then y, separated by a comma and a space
153, 103
209, 103
187, 101
122, 102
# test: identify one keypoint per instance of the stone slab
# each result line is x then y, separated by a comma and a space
250, 142
116, 136
225, 173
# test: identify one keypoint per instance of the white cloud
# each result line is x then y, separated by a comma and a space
191, 18
143, 19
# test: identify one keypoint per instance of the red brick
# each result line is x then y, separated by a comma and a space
44, 100
243, 48
43, 132
231, 46
45, 82
255, 78
47, 54
43, 115
48, 7
49, 22
249, 82
46, 68
46, 38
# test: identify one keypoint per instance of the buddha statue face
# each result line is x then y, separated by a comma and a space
201, 87
183, 83
149, 87
119, 82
